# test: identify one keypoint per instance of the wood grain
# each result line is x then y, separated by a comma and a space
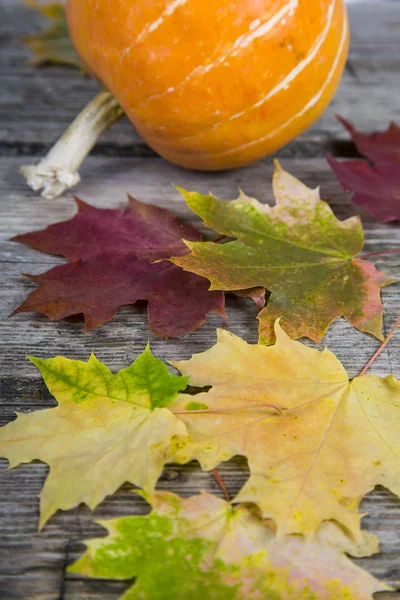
35, 107
33, 565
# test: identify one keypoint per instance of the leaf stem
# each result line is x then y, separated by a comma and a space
219, 239
381, 347
58, 170
221, 484
276, 407
380, 253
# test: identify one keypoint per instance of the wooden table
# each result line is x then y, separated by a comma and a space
36, 105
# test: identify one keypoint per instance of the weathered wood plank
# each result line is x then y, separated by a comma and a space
34, 565
150, 181
37, 105
33, 113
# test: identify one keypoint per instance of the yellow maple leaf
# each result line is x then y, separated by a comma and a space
107, 429
309, 463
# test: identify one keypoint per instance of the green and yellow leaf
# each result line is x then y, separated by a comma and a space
52, 45
107, 429
201, 548
298, 250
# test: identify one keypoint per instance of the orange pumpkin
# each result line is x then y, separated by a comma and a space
214, 84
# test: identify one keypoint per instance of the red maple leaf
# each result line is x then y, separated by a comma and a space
112, 258
376, 186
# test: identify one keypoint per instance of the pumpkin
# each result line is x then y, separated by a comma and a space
214, 84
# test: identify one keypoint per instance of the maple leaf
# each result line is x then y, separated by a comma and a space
297, 250
107, 429
309, 463
375, 187
257, 294
381, 146
201, 547
112, 256
53, 45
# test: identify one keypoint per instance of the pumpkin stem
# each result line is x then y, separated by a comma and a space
58, 170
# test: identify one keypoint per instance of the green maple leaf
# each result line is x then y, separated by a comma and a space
298, 250
201, 548
107, 429
52, 45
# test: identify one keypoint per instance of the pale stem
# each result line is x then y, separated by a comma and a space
58, 170
381, 347
219, 239
279, 409
222, 485
383, 253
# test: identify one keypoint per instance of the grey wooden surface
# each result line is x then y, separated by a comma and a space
35, 106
